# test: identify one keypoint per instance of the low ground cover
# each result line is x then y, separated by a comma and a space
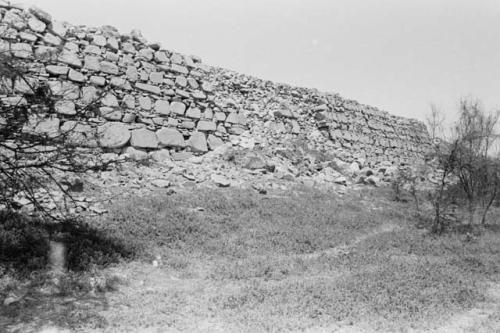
302, 259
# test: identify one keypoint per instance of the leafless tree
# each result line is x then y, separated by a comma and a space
35, 152
477, 169
435, 122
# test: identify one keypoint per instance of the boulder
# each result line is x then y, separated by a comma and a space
113, 135
143, 138
170, 137
198, 142
214, 142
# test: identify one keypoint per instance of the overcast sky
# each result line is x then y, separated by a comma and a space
393, 54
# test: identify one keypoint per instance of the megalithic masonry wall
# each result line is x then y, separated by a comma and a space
151, 98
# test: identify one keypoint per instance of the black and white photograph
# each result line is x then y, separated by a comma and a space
237, 166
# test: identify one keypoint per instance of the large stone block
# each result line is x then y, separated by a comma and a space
143, 138
193, 113
198, 142
113, 135
170, 137
214, 141
109, 68
206, 126
178, 108
162, 107
70, 58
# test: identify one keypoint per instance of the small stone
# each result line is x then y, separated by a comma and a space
160, 156
221, 181
145, 103
179, 69
192, 83
161, 56
136, 154
181, 81
120, 83
27, 37
70, 58
76, 76
220, 116
93, 49
254, 163
148, 88
109, 100
65, 107
207, 87
99, 40
59, 28
92, 63
146, 54
187, 125
206, 126
181, 156
129, 117
57, 70
161, 183
156, 77
132, 73
98, 80
112, 43
36, 25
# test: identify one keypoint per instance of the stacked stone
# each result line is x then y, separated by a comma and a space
153, 101
148, 98
352, 130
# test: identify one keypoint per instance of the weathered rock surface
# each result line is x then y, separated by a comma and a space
113, 135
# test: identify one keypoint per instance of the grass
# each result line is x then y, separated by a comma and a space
288, 261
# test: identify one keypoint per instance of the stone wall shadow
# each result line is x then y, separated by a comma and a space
30, 295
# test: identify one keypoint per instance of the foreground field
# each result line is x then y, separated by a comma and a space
237, 261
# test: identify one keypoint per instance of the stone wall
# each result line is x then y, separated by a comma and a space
152, 100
